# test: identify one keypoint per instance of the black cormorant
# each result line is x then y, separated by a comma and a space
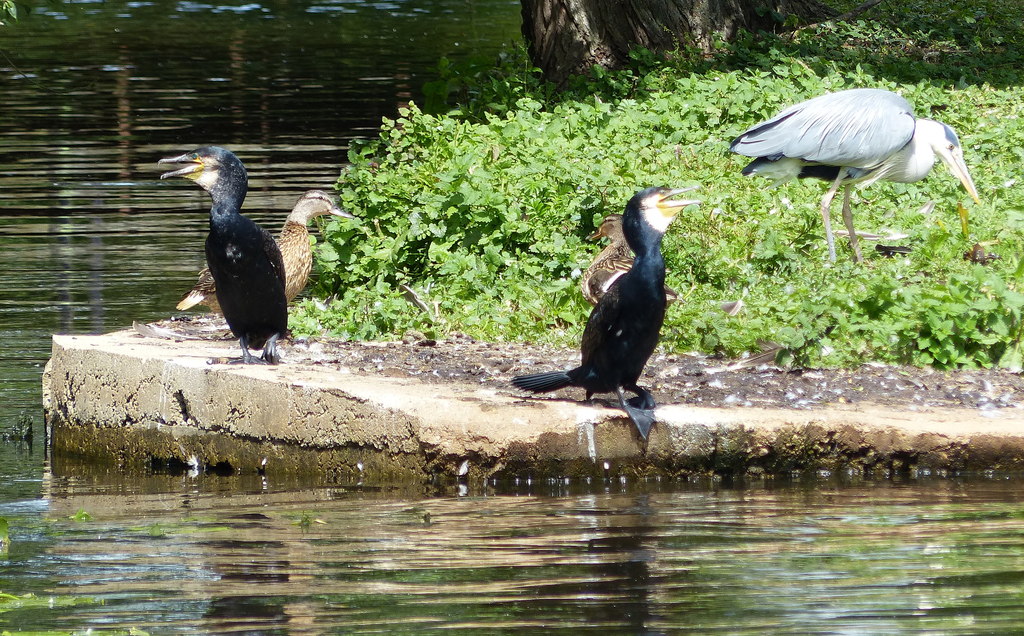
244, 259
613, 261
293, 241
623, 328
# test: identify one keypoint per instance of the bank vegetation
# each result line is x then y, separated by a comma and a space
474, 206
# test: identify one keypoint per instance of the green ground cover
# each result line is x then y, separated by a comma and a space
474, 210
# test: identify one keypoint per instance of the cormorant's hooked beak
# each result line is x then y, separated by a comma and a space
954, 160
195, 166
669, 206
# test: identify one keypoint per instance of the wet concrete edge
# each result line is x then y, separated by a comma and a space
143, 402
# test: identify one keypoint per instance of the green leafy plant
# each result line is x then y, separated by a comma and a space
474, 214
8, 8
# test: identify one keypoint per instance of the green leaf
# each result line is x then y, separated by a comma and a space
80, 516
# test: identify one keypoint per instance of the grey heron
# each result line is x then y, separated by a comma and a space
851, 137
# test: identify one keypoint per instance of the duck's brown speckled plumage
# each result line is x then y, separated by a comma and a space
614, 260
295, 250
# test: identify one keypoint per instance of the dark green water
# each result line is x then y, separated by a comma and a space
231, 555
91, 95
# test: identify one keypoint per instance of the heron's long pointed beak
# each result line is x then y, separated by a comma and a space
954, 160
195, 165
670, 206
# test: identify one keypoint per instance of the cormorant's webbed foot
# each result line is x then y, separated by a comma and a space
643, 400
642, 418
270, 355
247, 358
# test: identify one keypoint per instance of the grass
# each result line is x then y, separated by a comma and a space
473, 218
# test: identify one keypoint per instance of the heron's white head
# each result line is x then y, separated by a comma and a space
945, 144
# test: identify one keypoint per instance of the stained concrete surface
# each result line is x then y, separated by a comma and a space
340, 410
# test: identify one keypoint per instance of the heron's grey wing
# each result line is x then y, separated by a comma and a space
858, 127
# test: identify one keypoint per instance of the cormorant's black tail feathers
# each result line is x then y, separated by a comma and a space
542, 382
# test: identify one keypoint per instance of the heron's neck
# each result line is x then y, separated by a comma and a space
914, 161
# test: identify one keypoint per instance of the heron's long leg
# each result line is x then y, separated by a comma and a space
826, 201
848, 219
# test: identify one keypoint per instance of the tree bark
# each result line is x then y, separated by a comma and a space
571, 36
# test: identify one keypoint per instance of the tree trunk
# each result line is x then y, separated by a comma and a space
570, 36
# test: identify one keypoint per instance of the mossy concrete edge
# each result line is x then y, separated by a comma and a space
142, 401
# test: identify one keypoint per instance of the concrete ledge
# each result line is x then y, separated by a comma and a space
142, 402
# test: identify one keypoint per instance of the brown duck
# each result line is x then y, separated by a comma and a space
295, 250
614, 260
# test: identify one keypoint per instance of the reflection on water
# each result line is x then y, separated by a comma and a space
223, 555
90, 240
95, 92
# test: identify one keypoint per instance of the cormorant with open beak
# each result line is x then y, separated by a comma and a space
624, 327
244, 259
